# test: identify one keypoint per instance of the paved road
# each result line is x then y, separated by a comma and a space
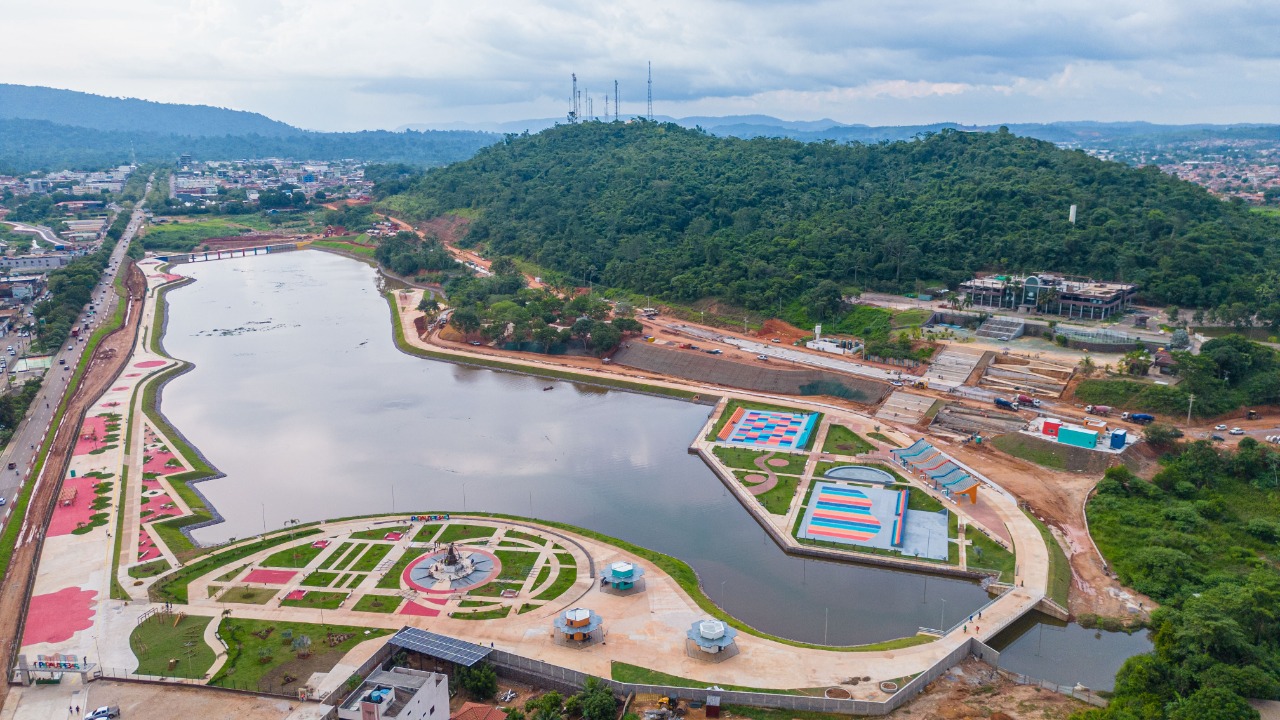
40, 232
21, 450
828, 362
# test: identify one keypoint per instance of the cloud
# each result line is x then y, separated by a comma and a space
383, 63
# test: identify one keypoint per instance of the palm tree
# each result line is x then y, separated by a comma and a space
1087, 366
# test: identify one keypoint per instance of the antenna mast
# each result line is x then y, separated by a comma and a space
573, 101
615, 101
650, 108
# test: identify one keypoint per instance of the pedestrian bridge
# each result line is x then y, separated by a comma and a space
210, 255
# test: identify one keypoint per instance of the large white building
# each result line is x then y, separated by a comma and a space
399, 694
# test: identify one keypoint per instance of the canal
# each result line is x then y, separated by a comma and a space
300, 396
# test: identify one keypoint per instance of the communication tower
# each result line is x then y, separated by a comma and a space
615, 101
650, 105
573, 101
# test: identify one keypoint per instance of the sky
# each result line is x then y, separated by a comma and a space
384, 64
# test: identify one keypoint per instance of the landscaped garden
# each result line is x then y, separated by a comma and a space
172, 646
281, 656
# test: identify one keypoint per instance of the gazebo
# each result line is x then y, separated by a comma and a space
622, 577
578, 625
712, 640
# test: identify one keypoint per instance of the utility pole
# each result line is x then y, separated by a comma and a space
1190, 400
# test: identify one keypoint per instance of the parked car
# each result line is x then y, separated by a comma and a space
763, 357
106, 711
1219, 427
1217, 438
896, 383
1237, 431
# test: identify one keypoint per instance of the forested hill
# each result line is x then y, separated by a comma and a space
27, 145
661, 209
68, 107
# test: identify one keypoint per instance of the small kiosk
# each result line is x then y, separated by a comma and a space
622, 578
711, 640
579, 627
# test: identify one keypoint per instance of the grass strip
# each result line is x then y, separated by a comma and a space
983, 552
298, 556
1059, 565
350, 557
342, 549
371, 557
628, 673
564, 580
484, 614
391, 581
117, 590
843, 441
316, 599
378, 533
378, 603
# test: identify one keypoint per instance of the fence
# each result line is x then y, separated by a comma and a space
228, 684
569, 681
1079, 693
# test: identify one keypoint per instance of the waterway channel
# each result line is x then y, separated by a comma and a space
300, 396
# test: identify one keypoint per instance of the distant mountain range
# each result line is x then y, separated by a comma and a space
1081, 133
68, 107
47, 128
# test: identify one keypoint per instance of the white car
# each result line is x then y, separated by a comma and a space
1219, 427
1237, 431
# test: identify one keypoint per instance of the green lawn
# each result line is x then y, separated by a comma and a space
778, 500
249, 595
1031, 450
371, 557
820, 469
564, 580
983, 552
378, 603
391, 581
744, 459
494, 589
320, 578
484, 614
245, 668
151, 569
517, 535
516, 564
628, 673
883, 438
918, 499
379, 532
462, 531
350, 557
159, 639
317, 599
173, 588
843, 441
337, 554
298, 556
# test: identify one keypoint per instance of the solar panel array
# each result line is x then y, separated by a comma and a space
440, 646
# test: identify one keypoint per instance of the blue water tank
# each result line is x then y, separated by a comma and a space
1118, 439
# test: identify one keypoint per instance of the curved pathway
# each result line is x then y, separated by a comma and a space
771, 478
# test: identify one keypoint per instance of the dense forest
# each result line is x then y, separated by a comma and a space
660, 209
1202, 539
27, 145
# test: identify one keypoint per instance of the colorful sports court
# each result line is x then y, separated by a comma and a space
855, 515
768, 429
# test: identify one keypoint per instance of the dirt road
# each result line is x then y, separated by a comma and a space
1058, 498
105, 365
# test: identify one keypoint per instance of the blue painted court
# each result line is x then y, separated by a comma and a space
768, 429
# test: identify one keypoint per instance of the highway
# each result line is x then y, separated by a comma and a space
21, 450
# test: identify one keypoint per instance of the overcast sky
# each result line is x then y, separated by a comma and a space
364, 64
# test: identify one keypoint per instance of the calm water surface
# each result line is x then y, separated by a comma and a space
300, 396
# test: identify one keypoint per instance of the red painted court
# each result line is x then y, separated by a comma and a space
273, 577
413, 608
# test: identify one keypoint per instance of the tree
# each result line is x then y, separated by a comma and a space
1171, 312
1180, 340
826, 299
465, 320
1087, 366
1161, 435
429, 305
480, 680
1212, 704
628, 325
598, 702
504, 266
605, 337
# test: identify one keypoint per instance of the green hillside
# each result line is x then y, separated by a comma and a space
660, 209
27, 145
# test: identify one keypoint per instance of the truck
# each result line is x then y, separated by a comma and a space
1028, 400
1007, 404
1142, 418
1098, 409
75, 331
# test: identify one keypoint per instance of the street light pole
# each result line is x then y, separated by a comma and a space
1191, 399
